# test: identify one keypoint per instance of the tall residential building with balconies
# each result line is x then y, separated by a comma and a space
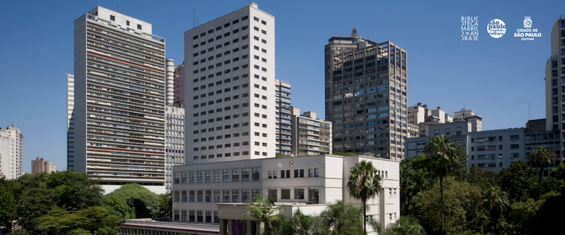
555, 85
365, 95
70, 121
310, 135
119, 101
11, 152
283, 117
229, 87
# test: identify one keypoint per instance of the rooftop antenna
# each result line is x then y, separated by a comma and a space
193, 17
354, 32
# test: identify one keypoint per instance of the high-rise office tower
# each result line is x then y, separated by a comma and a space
174, 141
119, 101
555, 84
283, 117
365, 90
229, 87
11, 152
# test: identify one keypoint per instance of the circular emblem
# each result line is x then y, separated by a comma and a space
496, 28
528, 22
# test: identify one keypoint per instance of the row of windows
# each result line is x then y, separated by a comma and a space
235, 154
225, 44
220, 27
228, 89
217, 176
298, 173
196, 216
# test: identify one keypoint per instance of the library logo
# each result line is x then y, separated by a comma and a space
496, 28
469, 28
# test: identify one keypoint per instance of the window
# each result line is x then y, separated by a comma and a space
298, 193
191, 196
191, 177
191, 216
226, 196
301, 173
245, 174
177, 216
139, 26
316, 172
200, 196
112, 18
235, 175
227, 175
217, 195
245, 195
208, 197
285, 193
176, 196
184, 197
200, 177
208, 217
127, 22
217, 176
256, 174
199, 217
235, 195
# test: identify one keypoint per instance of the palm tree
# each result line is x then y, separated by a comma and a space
441, 158
496, 201
364, 184
264, 210
542, 157
340, 218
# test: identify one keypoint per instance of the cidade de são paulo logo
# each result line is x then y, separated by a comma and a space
496, 28
527, 33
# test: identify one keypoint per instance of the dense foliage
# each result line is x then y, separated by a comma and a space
66, 202
481, 202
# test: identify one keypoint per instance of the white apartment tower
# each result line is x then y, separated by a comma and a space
229, 87
70, 121
174, 141
119, 101
11, 152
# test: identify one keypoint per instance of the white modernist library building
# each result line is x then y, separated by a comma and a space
307, 183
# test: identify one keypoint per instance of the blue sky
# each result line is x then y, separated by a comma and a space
497, 78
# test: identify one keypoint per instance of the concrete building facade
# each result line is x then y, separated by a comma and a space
119, 101
283, 108
11, 152
310, 135
174, 142
491, 150
306, 182
555, 85
365, 95
179, 86
229, 84
39, 165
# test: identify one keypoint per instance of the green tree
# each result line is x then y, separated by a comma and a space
414, 178
550, 216
519, 181
301, 223
496, 201
558, 172
343, 219
74, 191
481, 178
118, 207
92, 220
405, 225
542, 157
461, 200
34, 203
8, 204
265, 211
364, 184
136, 196
442, 157
165, 209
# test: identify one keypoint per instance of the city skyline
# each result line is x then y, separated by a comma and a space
505, 73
